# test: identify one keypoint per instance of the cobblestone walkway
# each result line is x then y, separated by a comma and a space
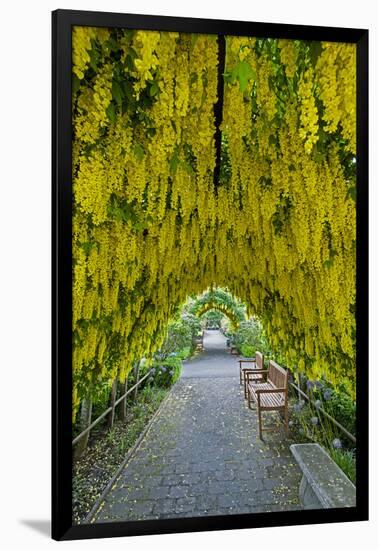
202, 455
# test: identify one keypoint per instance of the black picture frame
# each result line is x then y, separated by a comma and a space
62, 22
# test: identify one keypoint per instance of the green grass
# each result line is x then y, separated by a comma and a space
346, 460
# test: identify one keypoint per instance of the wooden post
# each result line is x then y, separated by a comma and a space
299, 385
136, 376
85, 420
113, 395
260, 417
123, 404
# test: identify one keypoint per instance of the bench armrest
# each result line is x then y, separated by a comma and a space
247, 372
247, 360
273, 390
258, 371
253, 371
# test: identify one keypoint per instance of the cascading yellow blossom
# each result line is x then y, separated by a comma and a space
150, 226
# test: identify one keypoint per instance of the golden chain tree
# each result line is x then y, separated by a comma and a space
149, 225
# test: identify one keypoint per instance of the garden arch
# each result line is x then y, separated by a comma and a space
223, 309
222, 301
155, 123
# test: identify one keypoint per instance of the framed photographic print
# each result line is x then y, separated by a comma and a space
210, 274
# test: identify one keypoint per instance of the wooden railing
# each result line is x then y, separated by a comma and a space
324, 413
109, 410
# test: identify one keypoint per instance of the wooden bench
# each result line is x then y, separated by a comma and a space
271, 395
199, 342
249, 373
323, 484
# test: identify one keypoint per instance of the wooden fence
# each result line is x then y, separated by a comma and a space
110, 410
324, 413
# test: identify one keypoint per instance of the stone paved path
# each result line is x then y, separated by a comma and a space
202, 455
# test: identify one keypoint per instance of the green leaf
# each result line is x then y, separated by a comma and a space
75, 83
130, 33
227, 76
187, 167
138, 151
129, 62
111, 112
175, 161
265, 181
151, 132
128, 90
352, 193
245, 73
117, 92
273, 140
154, 89
113, 44
132, 52
88, 246
88, 149
140, 225
95, 58
129, 59
193, 39
315, 51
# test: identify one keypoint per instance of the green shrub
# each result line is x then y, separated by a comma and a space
166, 371
193, 323
100, 395
184, 353
343, 409
249, 338
247, 350
179, 336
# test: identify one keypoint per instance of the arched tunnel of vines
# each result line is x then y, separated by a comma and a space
173, 197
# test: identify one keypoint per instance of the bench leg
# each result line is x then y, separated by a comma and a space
259, 415
260, 421
241, 375
245, 386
